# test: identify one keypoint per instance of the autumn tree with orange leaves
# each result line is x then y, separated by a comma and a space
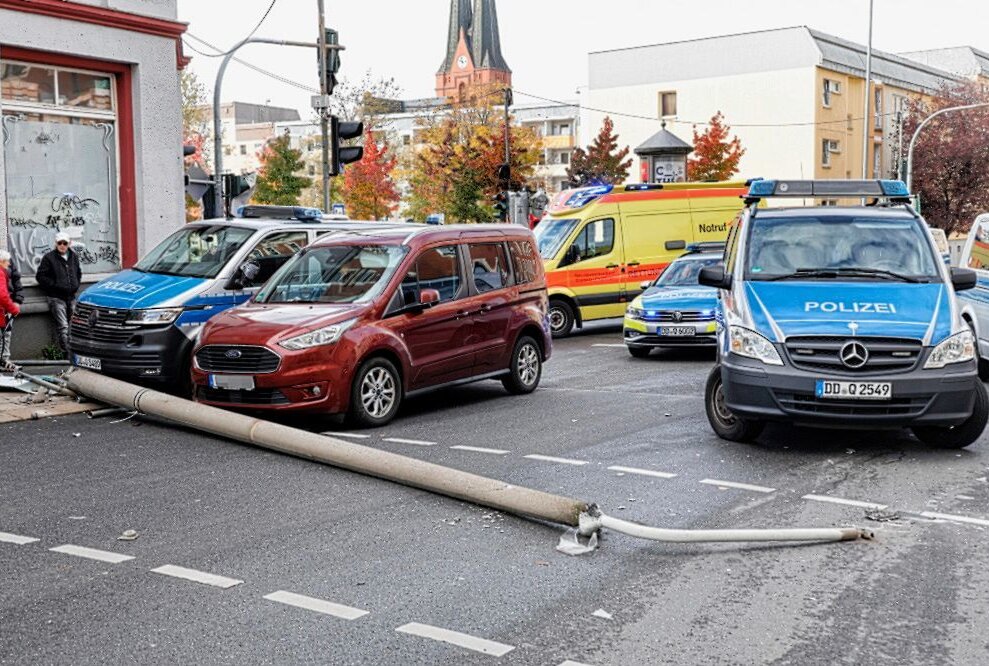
715, 156
368, 189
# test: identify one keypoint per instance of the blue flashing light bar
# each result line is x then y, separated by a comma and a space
892, 189
586, 195
299, 213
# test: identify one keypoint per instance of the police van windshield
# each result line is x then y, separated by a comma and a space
552, 233
685, 273
833, 247
199, 252
334, 274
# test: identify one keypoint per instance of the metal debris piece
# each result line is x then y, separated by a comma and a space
128, 535
882, 515
572, 543
602, 613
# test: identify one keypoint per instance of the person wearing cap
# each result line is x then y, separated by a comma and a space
59, 276
8, 310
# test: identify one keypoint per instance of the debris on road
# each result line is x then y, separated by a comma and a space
603, 614
128, 535
882, 515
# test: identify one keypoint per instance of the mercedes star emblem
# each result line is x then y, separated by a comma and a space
854, 355
94, 317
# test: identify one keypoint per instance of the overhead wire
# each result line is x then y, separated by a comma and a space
249, 35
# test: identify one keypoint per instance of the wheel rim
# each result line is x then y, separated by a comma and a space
527, 364
557, 320
721, 411
378, 392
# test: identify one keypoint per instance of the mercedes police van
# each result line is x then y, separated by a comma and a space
843, 317
140, 324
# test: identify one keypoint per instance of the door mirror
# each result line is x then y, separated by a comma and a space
963, 278
572, 256
645, 284
714, 276
429, 297
676, 245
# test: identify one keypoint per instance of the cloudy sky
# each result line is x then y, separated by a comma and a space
544, 41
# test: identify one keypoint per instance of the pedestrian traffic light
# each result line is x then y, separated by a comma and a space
501, 205
331, 64
233, 187
341, 154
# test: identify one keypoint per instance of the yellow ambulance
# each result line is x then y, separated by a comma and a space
600, 243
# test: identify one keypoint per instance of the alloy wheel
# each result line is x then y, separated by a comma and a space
527, 364
378, 392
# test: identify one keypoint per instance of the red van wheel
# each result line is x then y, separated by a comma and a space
526, 367
376, 393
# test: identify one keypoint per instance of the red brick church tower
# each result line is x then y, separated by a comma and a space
473, 53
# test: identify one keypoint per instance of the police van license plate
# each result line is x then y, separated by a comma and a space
678, 331
232, 382
853, 390
88, 362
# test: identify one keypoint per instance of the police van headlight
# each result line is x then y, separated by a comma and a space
752, 345
956, 349
154, 317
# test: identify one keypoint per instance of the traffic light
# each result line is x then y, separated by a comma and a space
501, 205
332, 62
342, 155
233, 187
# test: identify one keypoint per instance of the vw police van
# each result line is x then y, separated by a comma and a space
140, 324
843, 317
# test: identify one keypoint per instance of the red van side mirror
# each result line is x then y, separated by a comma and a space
429, 297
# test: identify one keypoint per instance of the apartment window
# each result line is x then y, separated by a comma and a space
667, 104
831, 87
829, 202
878, 106
243, 149
406, 139
829, 147
564, 130
564, 158
877, 166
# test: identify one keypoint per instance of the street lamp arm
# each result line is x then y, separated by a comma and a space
923, 124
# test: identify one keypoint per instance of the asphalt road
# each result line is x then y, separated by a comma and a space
390, 558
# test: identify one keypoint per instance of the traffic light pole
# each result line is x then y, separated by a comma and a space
324, 121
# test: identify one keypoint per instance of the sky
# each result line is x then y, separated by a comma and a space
545, 42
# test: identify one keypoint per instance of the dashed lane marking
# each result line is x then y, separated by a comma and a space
569, 662
642, 472
196, 576
564, 461
955, 519
413, 442
846, 502
481, 449
738, 486
17, 539
350, 435
91, 554
481, 645
612, 346
316, 605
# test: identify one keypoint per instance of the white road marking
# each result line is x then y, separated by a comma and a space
92, 554
739, 486
6, 537
602, 613
847, 502
956, 519
414, 442
481, 449
565, 461
611, 346
481, 645
643, 472
351, 435
568, 662
196, 576
317, 605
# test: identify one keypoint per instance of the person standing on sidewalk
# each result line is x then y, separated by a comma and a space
59, 276
8, 310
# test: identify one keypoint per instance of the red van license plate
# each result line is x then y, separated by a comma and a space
232, 382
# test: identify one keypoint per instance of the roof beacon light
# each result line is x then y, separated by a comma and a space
762, 188
830, 189
586, 195
894, 188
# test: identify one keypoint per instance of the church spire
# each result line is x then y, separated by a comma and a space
473, 52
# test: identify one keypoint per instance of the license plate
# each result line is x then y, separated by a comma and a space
232, 382
89, 362
828, 389
678, 331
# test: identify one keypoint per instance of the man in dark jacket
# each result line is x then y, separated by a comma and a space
16, 291
59, 276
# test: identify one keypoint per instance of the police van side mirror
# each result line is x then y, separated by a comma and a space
714, 276
963, 278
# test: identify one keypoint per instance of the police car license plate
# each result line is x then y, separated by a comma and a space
678, 331
232, 382
89, 362
853, 390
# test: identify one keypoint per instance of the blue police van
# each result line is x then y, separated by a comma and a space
141, 323
842, 317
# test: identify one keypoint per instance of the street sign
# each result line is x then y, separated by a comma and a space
197, 183
320, 102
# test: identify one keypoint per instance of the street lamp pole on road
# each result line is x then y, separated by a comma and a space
922, 125
868, 99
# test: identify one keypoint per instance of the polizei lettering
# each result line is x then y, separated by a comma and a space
856, 308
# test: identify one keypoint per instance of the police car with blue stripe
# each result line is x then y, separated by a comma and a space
842, 317
141, 323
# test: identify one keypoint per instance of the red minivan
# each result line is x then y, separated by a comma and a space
359, 320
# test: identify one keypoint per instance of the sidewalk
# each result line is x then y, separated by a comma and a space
18, 405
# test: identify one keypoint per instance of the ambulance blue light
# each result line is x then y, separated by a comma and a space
894, 188
584, 196
762, 188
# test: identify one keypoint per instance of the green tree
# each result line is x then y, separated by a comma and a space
278, 180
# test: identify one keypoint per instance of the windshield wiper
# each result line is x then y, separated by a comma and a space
834, 273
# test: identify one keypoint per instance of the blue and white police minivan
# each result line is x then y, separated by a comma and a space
842, 317
140, 324
975, 302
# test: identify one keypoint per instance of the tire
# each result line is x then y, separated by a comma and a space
982, 363
525, 369
561, 318
959, 436
725, 424
376, 393
639, 352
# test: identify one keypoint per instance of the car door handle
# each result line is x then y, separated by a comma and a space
612, 266
632, 263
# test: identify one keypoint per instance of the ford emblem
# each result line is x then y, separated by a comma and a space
233, 353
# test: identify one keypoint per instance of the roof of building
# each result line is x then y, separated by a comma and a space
664, 141
245, 113
959, 60
760, 51
478, 19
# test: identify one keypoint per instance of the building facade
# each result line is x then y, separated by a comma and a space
91, 122
793, 96
246, 129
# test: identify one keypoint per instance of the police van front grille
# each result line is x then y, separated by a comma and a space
237, 358
823, 353
95, 324
670, 315
810, 405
